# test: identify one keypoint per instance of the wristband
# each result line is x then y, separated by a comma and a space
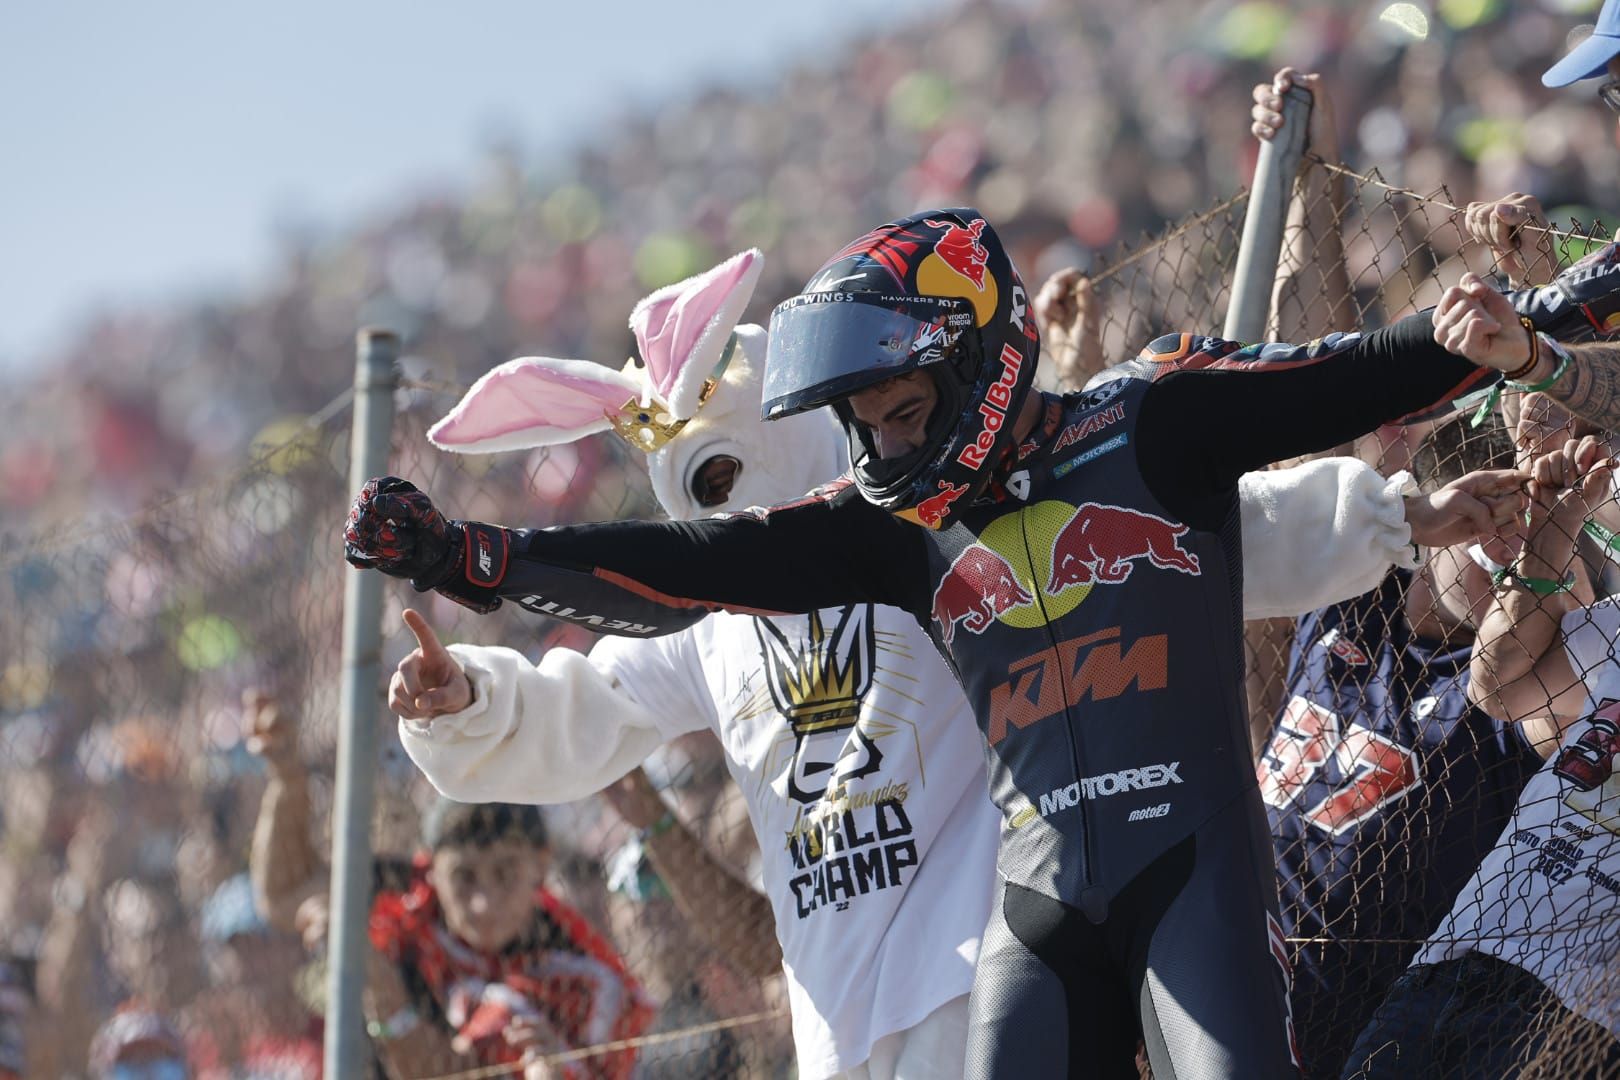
473, 568
1482, 560
402, 1023
1559, 370
1539, 586
1508, 380
1606, 537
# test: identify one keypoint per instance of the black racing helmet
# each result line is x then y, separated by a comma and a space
934, 292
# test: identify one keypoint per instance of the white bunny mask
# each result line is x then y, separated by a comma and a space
696, 398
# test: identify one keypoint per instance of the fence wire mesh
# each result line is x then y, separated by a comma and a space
1402, 820
169, 691
130, 793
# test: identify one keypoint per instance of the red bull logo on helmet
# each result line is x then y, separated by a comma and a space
1059, 550
959, 265
961, 250
993, 409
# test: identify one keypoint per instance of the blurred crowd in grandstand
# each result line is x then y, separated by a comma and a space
130, 774
1074, 126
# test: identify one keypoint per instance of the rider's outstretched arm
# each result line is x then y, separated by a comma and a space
1218, 409
642, 578
828, 549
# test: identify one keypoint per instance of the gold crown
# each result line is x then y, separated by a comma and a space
651, 427
819, 688
648, 427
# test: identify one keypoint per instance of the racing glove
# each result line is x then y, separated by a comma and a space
394, 527
1583, 302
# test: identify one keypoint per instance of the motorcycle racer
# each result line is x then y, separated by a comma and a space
843, 730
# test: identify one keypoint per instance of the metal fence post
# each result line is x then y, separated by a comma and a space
375, 378
1263, 221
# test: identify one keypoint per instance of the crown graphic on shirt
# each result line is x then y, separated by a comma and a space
818, 681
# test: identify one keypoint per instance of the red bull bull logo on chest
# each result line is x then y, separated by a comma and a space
1102, 543
980, 586
1059, 550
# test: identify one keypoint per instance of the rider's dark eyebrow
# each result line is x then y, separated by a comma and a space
909, 403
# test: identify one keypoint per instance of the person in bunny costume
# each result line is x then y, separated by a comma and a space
847, 735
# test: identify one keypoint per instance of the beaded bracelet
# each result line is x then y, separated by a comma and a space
1559, 371
1535, 352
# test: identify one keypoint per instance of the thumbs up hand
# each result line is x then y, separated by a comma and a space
428, 682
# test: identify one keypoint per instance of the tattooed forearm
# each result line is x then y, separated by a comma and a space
1591, 389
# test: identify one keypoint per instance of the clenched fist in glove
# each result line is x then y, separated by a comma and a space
394, 527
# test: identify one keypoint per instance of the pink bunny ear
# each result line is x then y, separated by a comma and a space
682, 329
533, 401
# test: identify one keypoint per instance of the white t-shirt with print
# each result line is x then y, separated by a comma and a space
864, 776
1547, 897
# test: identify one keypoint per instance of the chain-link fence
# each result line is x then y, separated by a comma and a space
130, 791
1398, 819
140, 786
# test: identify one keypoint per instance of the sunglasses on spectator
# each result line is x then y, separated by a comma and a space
1609, 94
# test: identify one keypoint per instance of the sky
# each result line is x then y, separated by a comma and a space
147, 150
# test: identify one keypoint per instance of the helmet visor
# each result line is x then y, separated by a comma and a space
825, 346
